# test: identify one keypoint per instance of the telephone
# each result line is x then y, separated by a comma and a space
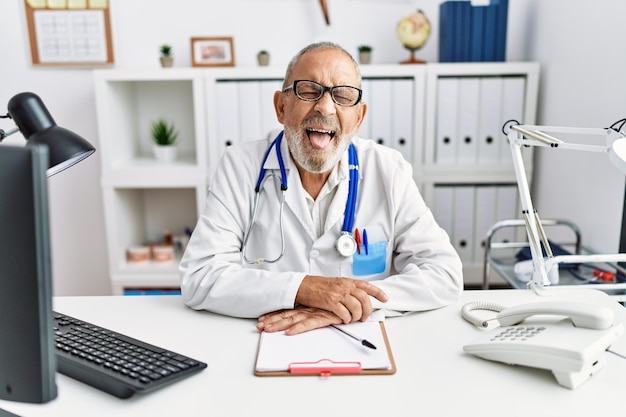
569, 339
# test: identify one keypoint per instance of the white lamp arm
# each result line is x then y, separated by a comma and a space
528, 135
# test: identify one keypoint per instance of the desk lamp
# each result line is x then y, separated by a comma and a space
526, 135
27, 355
65, 148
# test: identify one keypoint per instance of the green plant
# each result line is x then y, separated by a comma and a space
364, 48
166, 50
163, 133
263, 52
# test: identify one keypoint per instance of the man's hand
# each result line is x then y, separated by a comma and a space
347, 298
298, 320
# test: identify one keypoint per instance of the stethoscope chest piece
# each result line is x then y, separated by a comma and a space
345, 245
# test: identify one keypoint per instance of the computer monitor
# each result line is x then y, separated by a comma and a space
27, 357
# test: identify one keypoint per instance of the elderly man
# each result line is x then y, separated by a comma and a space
317, 226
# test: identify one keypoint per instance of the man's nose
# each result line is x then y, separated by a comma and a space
325, 105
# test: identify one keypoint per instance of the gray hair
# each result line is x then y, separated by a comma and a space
319, 46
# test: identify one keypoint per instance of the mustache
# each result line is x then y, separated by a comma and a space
325, 121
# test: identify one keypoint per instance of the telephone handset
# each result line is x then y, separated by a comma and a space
573, 348
582, 315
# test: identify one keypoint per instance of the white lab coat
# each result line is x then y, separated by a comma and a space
422, 270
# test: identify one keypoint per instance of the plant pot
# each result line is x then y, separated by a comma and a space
264, 59
165, 153
365, 57
167, 61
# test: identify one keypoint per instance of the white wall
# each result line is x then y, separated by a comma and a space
283, 27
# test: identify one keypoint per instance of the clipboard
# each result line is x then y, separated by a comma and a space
325, 352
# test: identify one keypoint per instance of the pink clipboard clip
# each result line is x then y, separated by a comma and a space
324, 368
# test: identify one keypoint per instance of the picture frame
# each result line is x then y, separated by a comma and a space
212, 52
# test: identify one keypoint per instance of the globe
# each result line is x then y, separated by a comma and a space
413, 31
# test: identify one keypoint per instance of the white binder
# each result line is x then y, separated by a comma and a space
463, 228
507, 203
443, 206
365, 131
268, 114
250, 121
446, 135
485, 217
227, 114
380, 104
468, 117
490, 136
512, 108
402, 117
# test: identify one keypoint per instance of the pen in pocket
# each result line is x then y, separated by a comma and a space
365, 242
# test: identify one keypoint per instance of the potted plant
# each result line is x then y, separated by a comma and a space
164, 135
167, 59
263, 57
365, 54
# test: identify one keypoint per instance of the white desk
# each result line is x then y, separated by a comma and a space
434, 376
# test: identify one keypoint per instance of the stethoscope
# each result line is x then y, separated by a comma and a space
345, 244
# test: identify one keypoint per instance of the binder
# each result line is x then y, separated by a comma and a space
402, 116
447, 22
464, 222
513, 90
446, 136
477, 33
468, 116
269, 122
380, 105
506, 208
490, 136
249, 100
325, 352
485, 213
490, 35
501, 29
365, 130
226, 98
463, 31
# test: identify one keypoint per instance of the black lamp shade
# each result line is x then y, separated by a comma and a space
65, 148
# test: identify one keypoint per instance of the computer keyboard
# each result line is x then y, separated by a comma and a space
113, 362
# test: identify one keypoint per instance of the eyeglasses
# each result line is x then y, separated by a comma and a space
343, 95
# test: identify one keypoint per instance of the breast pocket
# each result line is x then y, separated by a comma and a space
371, 256
371, 261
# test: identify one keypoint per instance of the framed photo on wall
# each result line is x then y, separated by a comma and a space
212, 52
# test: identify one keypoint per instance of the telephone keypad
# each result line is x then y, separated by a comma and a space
517, 333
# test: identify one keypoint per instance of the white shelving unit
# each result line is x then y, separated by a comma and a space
215, 107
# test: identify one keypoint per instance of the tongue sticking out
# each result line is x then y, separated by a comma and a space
320, 139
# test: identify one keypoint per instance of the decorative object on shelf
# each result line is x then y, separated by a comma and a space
162, 253
167, 59
164, 136
263, 57
138, 254
365, 54
212, 52
413, 31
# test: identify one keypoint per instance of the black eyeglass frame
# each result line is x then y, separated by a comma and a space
293, 85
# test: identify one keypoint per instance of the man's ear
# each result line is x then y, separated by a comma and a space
279, 106
361, 117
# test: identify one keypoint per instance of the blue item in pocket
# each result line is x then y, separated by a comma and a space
371, 263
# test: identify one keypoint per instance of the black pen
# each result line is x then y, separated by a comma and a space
363, 341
